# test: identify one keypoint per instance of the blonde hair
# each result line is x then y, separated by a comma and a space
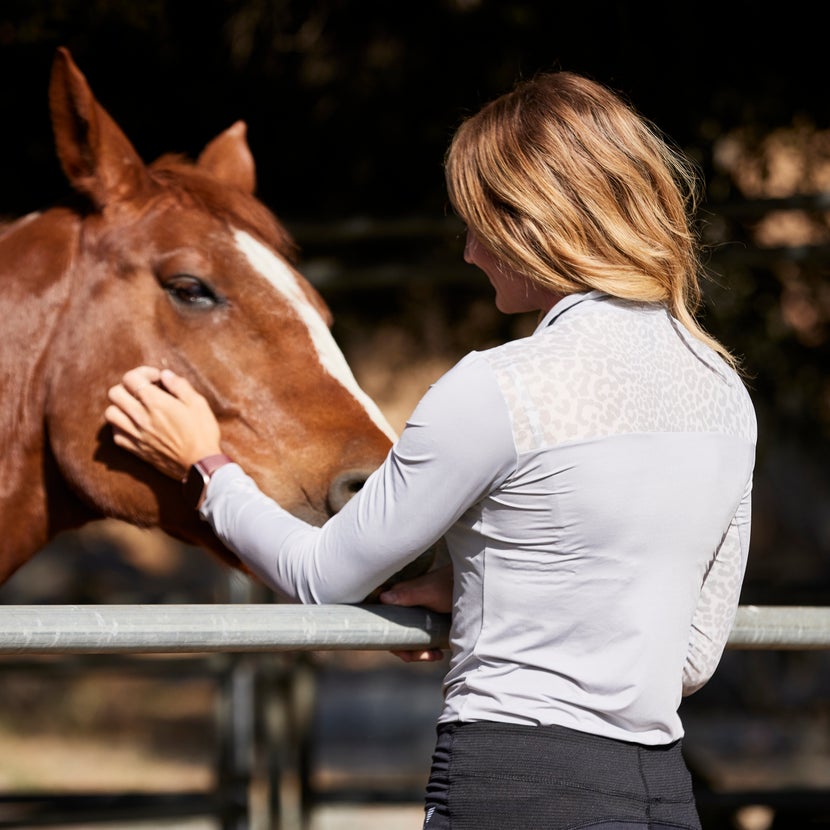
569, 186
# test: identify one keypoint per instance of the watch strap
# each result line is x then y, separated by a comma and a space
198, 476
211, 463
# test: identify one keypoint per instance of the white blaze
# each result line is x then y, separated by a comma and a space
278, 273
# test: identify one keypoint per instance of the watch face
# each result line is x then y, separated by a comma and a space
194, 486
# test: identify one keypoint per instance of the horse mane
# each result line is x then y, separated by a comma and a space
240, 209
9, 223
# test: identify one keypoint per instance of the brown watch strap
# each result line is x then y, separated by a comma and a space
195, 482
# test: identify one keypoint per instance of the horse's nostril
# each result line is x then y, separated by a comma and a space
344, 487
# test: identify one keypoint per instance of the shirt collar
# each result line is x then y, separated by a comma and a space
566, 303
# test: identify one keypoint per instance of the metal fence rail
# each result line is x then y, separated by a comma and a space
785, 627
188, 628
244, 627
232, 632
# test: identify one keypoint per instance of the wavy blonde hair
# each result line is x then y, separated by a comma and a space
571, 187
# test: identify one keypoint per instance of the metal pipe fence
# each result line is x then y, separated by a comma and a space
260, 722
244, 627
233, 628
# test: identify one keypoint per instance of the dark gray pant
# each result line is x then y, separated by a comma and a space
495, 776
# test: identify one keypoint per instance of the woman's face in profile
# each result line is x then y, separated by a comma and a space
515, 293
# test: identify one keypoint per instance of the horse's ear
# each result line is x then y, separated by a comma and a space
229, 158
96, 156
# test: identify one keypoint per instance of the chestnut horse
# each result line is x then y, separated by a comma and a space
174, 264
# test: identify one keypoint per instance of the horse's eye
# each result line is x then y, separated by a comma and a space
191, 291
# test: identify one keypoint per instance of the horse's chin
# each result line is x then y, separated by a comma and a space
310, 515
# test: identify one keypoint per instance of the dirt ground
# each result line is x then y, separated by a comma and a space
94, 729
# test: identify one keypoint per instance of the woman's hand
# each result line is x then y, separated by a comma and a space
158, 416
433, 590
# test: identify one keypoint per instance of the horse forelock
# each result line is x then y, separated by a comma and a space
238, 209
284, 279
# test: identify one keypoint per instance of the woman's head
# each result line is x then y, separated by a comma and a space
568, 185
514, 293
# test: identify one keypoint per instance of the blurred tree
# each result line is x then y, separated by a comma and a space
351, 102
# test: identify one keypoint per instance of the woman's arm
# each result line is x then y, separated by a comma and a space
456, 447
718, 601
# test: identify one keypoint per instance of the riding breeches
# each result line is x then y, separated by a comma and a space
499, 776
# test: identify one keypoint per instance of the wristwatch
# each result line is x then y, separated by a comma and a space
196, 481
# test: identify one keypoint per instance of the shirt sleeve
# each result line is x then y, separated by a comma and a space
456, 447
718, 602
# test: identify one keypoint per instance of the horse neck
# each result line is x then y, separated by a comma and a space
36, 255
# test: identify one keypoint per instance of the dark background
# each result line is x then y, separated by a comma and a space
350, 105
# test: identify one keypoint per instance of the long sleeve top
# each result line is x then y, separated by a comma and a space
592, 482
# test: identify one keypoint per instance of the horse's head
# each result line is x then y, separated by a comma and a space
177, 264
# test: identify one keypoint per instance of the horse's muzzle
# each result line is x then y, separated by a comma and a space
344, 487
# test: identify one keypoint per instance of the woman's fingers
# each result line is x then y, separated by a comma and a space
432, 655
433, 590
125, 411
128, 395
136, 380
170, 426
118, 419
179, 386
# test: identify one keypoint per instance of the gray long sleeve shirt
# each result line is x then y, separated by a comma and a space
592, 482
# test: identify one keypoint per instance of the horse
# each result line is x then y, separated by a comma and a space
175, 263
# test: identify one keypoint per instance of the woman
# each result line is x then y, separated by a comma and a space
592, 481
